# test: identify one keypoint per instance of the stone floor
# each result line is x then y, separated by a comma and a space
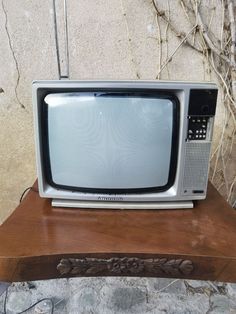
121, 295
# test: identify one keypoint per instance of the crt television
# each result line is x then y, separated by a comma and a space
123, 144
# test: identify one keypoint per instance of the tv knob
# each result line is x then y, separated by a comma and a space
205, 109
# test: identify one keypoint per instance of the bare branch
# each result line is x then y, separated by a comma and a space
233, 34
160, 45
232, 28
220, 58
129, 41
166, 36
231, 189
209, 42
222, 24
226, 87
172, 28
176, 49
185, 10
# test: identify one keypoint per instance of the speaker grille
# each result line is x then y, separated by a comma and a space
196, 166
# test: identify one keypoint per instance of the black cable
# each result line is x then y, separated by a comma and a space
26, 190
44, 299
29, 308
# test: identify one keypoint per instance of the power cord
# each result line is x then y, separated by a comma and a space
25, 191
29, 308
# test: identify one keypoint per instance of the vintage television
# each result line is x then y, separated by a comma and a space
123, 144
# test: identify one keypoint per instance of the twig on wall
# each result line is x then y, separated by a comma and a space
210, 43
185, 10
232, 30
166, 37
129, 41
231, 189
160, 47
176, 49
219, 56
225, 86
180, 35
222, 25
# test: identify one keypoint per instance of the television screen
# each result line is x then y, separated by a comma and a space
109, 141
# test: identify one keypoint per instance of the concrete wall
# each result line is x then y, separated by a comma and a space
108, 39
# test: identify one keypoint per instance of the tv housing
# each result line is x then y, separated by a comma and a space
123, 144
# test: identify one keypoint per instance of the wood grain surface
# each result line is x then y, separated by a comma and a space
41, 242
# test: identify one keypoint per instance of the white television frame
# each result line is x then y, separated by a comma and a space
177, 196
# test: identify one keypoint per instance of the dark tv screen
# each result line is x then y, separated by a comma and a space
110, 141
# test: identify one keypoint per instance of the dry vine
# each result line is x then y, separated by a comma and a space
219, 55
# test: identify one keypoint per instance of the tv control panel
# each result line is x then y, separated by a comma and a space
202, 107
197, 128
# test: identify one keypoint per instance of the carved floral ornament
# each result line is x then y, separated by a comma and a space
125, 266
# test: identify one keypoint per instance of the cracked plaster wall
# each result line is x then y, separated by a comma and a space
108, 40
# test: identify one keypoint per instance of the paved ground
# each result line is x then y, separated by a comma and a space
122, 295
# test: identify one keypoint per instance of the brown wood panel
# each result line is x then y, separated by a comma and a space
40, 242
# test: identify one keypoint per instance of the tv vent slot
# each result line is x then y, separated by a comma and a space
196, 167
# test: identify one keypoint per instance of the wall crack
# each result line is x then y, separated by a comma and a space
13, 55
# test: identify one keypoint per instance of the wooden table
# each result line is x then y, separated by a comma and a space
41, 242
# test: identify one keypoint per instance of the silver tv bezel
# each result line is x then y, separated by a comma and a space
173, 194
